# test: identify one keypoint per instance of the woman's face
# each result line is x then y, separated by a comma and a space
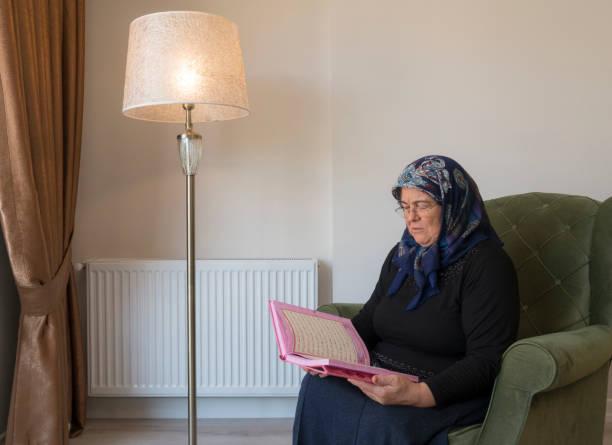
423, 216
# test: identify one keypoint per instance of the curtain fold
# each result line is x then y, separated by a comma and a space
41, 73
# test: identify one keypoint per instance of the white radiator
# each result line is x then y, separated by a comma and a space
137, 328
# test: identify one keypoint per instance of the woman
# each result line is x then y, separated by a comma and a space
445, 308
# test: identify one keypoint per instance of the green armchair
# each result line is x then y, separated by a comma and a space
552, 386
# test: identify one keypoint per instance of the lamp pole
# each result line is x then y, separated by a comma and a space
190, 151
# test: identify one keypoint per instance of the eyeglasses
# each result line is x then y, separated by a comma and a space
419, 207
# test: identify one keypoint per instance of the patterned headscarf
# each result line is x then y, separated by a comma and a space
464, 223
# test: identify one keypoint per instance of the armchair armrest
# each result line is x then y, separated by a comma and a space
346, 310
537, 364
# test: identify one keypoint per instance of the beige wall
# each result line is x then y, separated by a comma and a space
519, 92
264, 189
343, 95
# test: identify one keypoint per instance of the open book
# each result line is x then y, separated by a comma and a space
322, 342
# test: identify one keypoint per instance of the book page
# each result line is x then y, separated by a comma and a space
321, 337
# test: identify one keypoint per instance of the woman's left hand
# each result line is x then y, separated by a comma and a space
396, 390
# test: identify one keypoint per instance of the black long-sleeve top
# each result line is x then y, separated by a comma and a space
458, 336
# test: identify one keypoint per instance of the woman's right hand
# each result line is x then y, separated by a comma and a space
311, 372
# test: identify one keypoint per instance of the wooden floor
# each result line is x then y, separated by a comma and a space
170, 432
210, 432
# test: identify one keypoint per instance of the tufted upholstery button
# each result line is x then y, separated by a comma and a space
513, 226
524, 307
545, 206
557, 282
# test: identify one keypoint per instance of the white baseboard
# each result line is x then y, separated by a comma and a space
176, 407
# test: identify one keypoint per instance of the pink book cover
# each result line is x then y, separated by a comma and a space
356, 367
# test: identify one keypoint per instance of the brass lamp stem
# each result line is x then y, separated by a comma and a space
188, 108
190, 149
191, 313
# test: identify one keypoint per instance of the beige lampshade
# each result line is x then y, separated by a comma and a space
184, 57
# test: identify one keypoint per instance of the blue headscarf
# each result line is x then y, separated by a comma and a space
464, 224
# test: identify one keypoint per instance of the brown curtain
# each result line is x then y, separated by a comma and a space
41, 71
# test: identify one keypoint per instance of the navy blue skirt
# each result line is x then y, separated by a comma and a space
332, 411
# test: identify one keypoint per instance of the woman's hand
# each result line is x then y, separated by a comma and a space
311, 372
396, 390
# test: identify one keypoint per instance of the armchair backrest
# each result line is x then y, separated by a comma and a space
561, 248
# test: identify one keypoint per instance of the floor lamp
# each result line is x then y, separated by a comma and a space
185, 66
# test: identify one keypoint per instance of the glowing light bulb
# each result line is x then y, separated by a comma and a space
187, 78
